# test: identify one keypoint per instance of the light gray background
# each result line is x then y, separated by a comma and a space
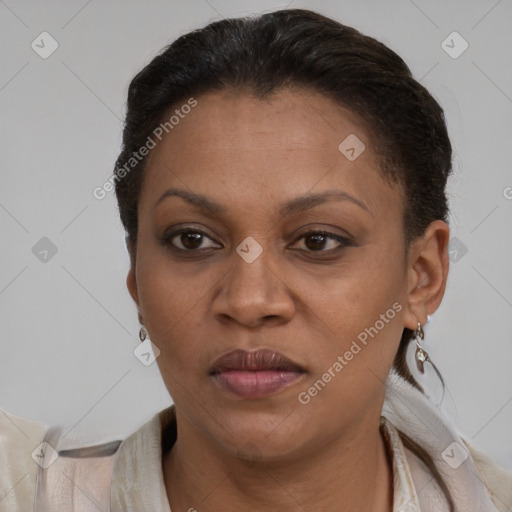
68, 326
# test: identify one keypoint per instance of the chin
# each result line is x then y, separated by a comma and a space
273, 434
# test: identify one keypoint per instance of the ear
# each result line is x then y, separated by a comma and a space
131, 284
131, 278
428, 265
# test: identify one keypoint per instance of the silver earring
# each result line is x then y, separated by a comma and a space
421, 356
143, 333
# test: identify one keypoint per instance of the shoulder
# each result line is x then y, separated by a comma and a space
19, 438
497, 480
138, 482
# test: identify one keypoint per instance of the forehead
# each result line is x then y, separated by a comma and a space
286, 144
298, 116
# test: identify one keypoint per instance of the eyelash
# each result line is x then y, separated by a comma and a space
344, 241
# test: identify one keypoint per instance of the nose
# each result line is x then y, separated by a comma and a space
254, 294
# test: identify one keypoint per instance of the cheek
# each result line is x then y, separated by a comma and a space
359, 292
361, 314
171, 303
355, 343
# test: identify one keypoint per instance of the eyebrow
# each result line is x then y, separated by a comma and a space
293, 206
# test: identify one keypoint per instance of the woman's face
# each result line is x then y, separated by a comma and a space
233, 268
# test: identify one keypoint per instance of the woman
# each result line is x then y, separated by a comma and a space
281, 184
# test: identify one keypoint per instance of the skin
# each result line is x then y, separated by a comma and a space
307, 300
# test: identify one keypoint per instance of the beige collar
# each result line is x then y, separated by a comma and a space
138, 482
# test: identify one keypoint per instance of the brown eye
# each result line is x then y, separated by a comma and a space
315, 242
320, 241
188, 240
191, 240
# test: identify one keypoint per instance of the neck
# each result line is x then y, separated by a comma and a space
348, 473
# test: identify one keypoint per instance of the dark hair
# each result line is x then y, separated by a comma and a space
300, 49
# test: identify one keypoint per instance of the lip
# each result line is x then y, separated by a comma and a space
255, 374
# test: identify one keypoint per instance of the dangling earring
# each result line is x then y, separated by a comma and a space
421, 356
143, 333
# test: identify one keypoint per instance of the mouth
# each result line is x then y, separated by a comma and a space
255, 374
